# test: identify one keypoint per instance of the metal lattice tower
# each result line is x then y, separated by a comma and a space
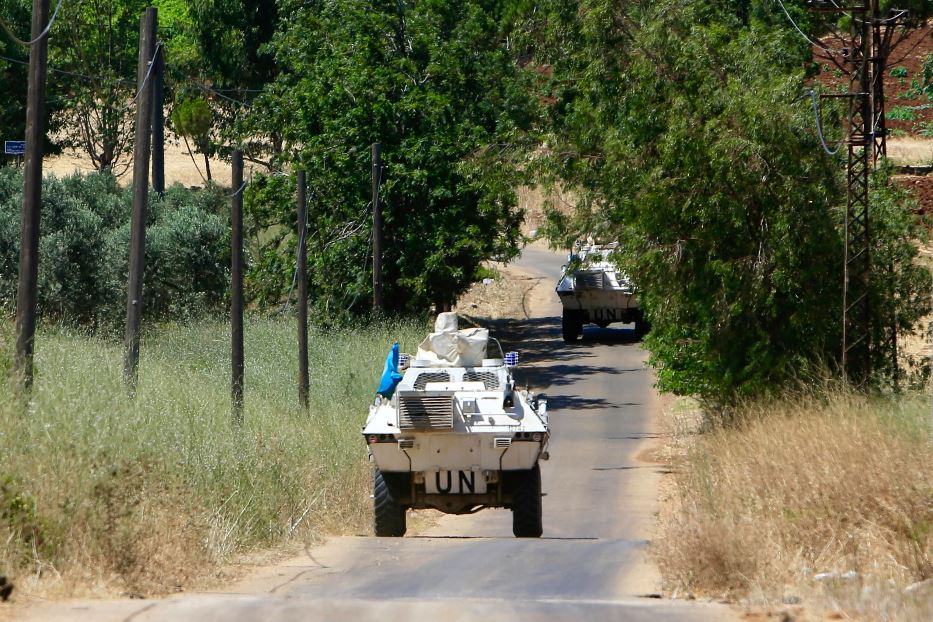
871, 39
861, 141
881, 43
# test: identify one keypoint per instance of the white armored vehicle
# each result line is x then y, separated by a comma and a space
593, 291
455, 434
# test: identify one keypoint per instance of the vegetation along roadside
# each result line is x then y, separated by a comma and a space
822, 499
103, 494
683, 129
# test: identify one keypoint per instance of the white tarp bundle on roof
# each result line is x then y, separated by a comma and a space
450, 347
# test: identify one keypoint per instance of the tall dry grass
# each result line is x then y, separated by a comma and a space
827, 497
101, 492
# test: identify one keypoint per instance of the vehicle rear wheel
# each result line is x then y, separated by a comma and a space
388, 512
526, 503
571, 326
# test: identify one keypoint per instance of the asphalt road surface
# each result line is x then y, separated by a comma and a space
599, 509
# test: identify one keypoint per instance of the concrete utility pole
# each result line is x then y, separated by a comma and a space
134, 289
27, 288
236, 289
377, 229
302, 290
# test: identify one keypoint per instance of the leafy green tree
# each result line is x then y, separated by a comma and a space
13, 71
194, 119
97, 42
436, 85
14, 62
233, 37
682, 128
234, 61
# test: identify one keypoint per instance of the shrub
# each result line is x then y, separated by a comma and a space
84, 245
901, 113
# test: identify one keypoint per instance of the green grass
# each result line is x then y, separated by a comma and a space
902, 113
157, 492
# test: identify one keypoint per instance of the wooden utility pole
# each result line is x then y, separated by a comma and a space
27, 289
377, 229
134, 289
302, 290
236, 288
158, 122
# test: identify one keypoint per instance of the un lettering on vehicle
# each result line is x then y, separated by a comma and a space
603, 313
454, 483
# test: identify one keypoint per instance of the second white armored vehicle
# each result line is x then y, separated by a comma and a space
593, 291
453, 433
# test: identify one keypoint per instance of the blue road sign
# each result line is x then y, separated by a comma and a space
14, 147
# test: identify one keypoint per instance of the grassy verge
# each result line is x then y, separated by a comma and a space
826, 500
155, 494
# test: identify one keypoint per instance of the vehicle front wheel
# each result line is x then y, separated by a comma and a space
388, 512
526, 503
642, 328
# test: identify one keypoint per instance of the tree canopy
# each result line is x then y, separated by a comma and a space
682, 127
436, 85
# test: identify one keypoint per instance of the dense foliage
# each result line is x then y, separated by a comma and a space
95, 50
84, 249
435, 84
221, 53
13, 74
682, 126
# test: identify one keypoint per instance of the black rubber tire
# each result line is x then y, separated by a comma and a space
571, 326
526, 503
642, 327
388, 512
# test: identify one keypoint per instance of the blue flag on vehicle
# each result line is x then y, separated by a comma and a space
390, 375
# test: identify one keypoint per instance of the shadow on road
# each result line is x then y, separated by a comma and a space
549, 362
508, 538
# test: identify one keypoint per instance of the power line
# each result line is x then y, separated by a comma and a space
819, 126
208, 89
70, 73
239, 190
41, 36
235, 90
93, 78
149, 71
900, 13
127, 81
802, 33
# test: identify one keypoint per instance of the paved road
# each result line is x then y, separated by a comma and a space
598, 515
